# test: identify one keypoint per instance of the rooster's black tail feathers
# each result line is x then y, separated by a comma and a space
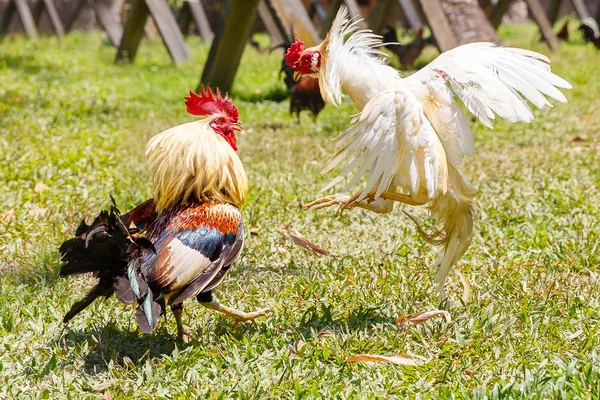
113, 252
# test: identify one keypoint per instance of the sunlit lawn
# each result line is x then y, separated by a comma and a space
73, 126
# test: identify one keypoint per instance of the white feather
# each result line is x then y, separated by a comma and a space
385, 137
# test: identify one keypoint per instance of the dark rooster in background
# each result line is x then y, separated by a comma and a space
192, 229
305, 93
590, 30
407, 53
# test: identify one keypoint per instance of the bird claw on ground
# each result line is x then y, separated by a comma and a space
350, 203
251, 316
183, 334
327, 201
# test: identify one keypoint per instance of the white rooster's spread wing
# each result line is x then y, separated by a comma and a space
412, 134
391, 137
486, 78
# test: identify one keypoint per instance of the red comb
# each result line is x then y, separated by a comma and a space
208, 103
292, 56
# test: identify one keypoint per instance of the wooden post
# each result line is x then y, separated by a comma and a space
581, 9
499, 10
192, 11
380, 15
200, 18
6, 17
264, 13
487, 7
411, 14
292, 12
150, 29
316, 7
133, 31
539, 16
553, 10
442, 33
228, 45
334, 7
37, 11
184, 19
74, 14
25, 16
354, 10
166, 24
109, 22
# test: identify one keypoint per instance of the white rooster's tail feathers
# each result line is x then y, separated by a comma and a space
454, 213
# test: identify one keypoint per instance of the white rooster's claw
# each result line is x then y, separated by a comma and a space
339, 200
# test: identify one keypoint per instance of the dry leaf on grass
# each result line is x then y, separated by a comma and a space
7, 214
40, 187
588, 147
582, 145
400, 359
290, 233
421, 317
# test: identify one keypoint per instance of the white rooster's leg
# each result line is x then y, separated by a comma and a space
380, 206
404, 198
238, 315
343, 202
383, 205
370, 203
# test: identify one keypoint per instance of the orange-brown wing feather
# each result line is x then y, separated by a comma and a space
194, 243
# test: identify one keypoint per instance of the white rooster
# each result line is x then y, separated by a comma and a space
411, 136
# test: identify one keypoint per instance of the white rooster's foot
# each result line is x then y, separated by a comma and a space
351, 202
328, 201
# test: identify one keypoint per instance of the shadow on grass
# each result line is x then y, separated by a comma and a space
42, 271
111, 345
320, 318
122, 347
26, 63
276, 94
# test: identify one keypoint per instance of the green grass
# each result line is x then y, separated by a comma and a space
74, 121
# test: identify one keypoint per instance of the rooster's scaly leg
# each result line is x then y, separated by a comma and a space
393, 196
181, 331
345, 202
327, 201
404, 198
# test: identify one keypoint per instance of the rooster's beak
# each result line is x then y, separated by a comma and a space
237, 126
297, 75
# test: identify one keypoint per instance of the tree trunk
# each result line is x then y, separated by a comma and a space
469, 22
